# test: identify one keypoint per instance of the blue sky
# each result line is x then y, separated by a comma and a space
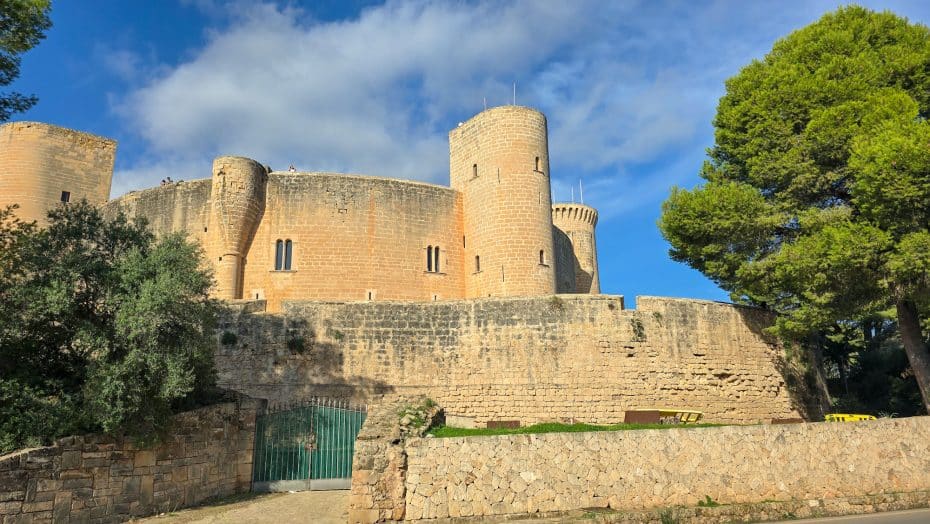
629, 88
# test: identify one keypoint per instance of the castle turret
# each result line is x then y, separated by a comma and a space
42, 165
499, 161
576, 251
237, 204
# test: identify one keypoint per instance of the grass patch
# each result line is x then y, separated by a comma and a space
554, 427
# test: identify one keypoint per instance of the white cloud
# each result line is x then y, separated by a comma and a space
624, 85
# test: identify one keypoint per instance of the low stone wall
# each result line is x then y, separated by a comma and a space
515, 474
96, 478
379, 464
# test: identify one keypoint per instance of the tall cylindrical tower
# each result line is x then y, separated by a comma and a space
574, 223
499, 161
237, 204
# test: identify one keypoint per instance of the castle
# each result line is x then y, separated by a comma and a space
483, 295
281, 235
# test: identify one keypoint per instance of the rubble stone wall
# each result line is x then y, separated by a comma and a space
96, 478
512, 474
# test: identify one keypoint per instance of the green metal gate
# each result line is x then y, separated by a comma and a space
306, 446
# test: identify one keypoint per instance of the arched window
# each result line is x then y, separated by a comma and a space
538, 165
278, 255
542, 256
436, 259
288, 251
474, 170
429, 258
477, 263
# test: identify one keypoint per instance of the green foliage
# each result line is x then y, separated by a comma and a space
22, 25
668, 516
554, 427
878, 382
296, 343
101, 326
817, 195
708, 502
228, 338
639, 330
417, 415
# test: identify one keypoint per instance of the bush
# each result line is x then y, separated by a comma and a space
102, 327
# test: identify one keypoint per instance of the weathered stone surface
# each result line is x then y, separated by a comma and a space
379, 464
95, 478
630, 470
557, 358
41, 160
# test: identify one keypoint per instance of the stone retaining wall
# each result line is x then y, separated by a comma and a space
515, 474
533, 359
96, 478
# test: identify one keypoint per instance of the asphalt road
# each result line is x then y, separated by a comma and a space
913, 516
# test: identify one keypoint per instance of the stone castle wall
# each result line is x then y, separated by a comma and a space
514, 474
351, 237
182, 206
38, 162
562, 357
355, 235
95, 478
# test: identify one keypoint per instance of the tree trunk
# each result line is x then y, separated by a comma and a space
915, 347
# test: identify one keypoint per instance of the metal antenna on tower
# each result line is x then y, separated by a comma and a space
581, 190
485, 103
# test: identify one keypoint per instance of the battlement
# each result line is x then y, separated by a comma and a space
564, 212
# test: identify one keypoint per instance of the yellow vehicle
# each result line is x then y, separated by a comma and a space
846, 417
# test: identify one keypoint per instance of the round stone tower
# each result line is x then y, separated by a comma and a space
42, 166
237, 201
499, 161
577, 263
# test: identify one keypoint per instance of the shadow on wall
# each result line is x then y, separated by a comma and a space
797, 364
285, 359
570, 276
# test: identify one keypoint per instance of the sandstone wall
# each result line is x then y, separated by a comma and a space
40, 161
460, 477
351, 236
182, 206
565, 357
355, 235
96, 478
